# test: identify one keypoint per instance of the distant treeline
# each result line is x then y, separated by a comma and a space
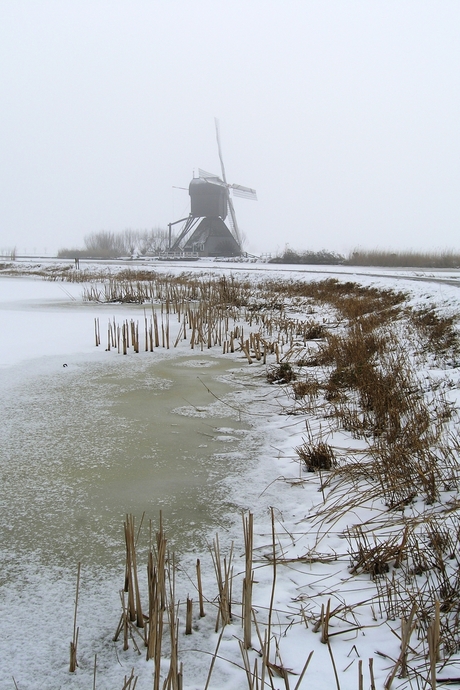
359, 257
111, 245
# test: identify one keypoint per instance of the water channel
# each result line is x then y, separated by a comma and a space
83, 447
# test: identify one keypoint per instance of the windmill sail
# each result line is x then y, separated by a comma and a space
216, 122
244, 192
205, 175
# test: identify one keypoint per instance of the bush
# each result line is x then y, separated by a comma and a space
111, 245
323, 257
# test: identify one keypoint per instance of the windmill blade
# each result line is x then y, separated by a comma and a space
216, 122
236, 230
204, 174
244, 192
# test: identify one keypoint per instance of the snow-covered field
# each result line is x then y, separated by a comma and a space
64, 403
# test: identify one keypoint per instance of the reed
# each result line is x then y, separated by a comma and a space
130, 681
188, 618
407, 629
404, 259
200, 588
73, 664
248, 581
224, 573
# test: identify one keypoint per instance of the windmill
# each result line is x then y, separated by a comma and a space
204, 230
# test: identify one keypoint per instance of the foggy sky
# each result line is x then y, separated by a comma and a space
344, 115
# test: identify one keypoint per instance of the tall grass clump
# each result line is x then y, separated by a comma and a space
403, 259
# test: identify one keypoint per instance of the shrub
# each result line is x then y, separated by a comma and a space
323, 257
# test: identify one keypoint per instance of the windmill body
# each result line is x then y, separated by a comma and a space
204, 231
208, 198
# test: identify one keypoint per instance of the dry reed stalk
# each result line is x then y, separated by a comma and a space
188, 617
433, 637
255, 675
192, 323
157, 603
129, 587
213, 660
263, 645
406, 631
157, 640
155, 328
94, 672
247, 665
124, 338
209, 339
248, 532
325, 617
173, 680
139, 615
124, 622
333, 665
223, 573
130, 683
73, 645
244, 348
307, 663
179, 336
371, 673
200, 588
272, 596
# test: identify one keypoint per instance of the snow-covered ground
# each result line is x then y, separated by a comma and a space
251, 464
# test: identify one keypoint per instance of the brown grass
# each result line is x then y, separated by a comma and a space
438, 332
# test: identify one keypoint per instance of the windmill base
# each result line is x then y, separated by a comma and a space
213, 238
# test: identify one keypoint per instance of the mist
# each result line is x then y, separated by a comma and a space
342, 115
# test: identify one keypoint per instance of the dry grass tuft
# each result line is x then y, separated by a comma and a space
306, 389
438, 332
316, 456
